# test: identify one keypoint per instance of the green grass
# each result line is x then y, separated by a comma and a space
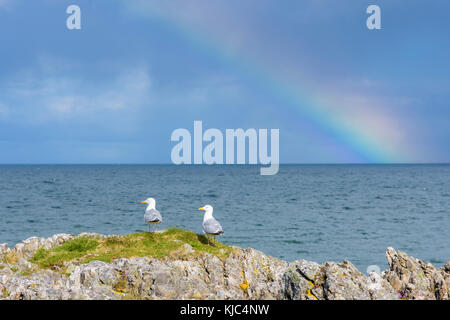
163, 245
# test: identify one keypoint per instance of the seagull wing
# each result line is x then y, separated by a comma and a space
152, 215
212, 226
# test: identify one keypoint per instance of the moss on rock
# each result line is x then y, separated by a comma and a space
169, 244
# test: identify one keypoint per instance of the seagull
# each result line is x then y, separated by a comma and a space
152, 216
210, 225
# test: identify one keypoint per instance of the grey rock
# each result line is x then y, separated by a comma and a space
416, 279
92, 235
3, 249
447, 266
244, 274
27, 248
380, 289
93, 274
187, 249
306, 280
344, 282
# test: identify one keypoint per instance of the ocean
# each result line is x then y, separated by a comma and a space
314, 212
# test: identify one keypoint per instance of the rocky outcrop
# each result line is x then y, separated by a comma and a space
306, 280
206, 277
415, 279
27, 248
244, 274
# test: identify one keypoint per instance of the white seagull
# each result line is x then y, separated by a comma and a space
152, 216
210, 225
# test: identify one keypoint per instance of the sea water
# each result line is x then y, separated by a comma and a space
314, 212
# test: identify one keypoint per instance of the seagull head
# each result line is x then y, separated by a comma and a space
151, 202
208, 209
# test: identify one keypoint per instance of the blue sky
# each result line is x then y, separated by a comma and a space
114, 91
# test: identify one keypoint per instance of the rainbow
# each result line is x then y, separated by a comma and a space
364, 146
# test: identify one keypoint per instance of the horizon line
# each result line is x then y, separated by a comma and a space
225, 164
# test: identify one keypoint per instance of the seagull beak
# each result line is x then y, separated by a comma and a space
201, 209
144, 202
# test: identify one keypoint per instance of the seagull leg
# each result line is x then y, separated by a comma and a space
149, 228
156, 228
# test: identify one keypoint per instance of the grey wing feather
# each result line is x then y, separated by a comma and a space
152, 216
212, 226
